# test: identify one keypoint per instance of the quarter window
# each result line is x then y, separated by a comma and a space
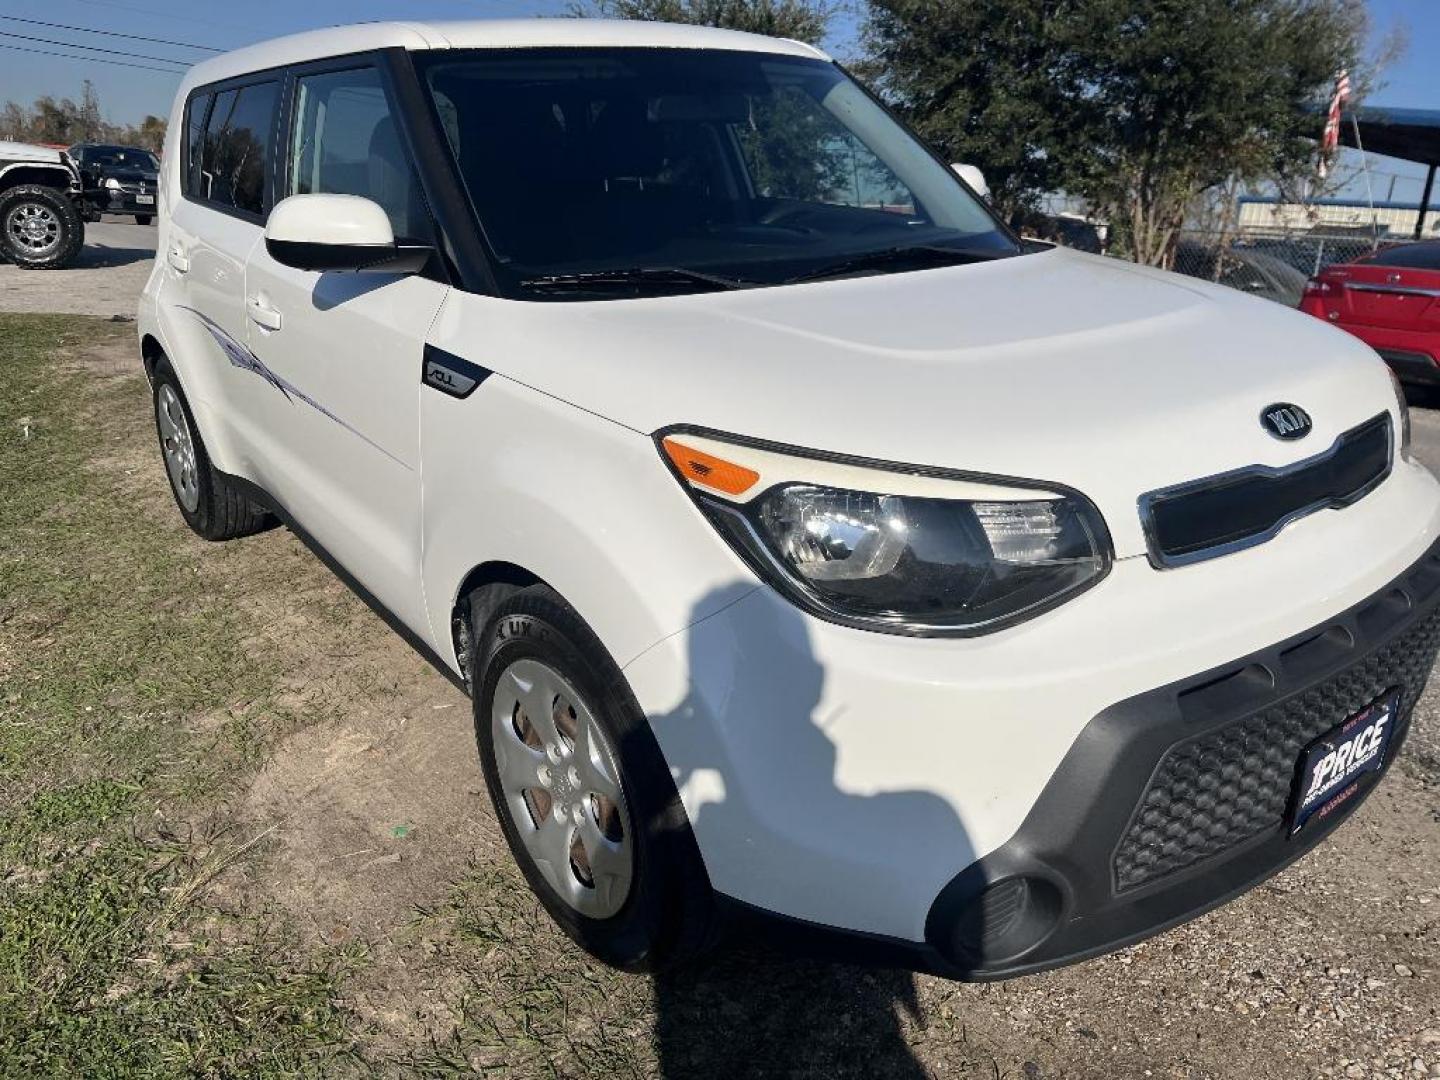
235, 151
345, 143
195, 117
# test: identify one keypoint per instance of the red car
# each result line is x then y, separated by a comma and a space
1391, 301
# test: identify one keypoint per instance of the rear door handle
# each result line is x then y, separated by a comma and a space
262, 314
178, 260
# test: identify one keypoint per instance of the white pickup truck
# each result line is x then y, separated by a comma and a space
41, 227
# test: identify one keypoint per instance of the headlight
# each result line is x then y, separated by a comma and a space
923, 552
112, 183
1404, 407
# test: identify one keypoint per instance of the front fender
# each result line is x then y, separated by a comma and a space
583, 503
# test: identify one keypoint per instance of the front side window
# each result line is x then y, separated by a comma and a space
691, 168
235, 148
345, 143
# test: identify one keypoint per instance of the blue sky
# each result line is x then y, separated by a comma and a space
127, 94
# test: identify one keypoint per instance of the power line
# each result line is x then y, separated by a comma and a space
90, 59
93, 48
172, 16
110, 33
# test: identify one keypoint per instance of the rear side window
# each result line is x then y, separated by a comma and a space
235, 151
1415, 256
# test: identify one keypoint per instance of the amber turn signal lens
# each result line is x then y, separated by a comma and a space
708, 470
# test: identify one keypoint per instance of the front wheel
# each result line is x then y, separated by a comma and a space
144, 219
40, 228
581, 788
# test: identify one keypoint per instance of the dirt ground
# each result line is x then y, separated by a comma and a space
105, 281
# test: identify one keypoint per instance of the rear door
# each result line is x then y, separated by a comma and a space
215, 222
1399, 288
346, 348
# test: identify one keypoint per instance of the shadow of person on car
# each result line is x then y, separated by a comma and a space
773, 1001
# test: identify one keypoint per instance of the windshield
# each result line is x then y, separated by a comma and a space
679, 170
119, 157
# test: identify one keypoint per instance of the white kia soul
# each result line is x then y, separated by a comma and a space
819, 555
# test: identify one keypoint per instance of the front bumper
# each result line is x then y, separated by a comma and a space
1176, 800
846, 780
1065, 887
122, 200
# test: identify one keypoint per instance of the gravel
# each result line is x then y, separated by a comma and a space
106, 281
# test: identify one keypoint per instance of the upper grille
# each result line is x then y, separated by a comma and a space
1224, 513
1213, 792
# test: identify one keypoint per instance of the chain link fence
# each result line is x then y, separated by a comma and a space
1263, 262
1275, 266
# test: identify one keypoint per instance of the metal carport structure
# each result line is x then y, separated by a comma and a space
1409, 134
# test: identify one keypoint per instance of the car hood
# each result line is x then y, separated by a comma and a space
1059, 367
14, 151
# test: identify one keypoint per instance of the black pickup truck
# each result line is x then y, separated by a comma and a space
118, 180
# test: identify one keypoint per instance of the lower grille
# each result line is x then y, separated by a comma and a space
1218, 790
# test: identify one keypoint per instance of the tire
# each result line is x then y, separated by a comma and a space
40, 228
666, 915
144, 219
209, 502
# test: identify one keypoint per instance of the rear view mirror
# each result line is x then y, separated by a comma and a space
338, 233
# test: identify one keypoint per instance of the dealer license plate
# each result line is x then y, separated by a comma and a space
1331, 766
144, 200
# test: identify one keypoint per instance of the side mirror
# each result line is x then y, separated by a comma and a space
974, 177
338, 233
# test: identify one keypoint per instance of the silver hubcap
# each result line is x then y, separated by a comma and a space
561, 785
33, 227
179, 447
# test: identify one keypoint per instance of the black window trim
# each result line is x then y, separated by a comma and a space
214, 90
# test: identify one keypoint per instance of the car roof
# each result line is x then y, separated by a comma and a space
483, 34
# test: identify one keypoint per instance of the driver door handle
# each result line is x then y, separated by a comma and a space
178, 260
262, 314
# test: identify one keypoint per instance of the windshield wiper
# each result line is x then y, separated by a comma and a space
917, 255
638, 275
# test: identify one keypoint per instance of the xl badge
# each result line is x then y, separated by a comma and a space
1286, 421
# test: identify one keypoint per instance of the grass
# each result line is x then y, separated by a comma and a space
114, 637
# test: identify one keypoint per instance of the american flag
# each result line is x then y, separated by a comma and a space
1331, 139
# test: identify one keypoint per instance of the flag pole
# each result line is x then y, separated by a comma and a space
1369, 191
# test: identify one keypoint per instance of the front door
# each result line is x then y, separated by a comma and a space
341, 351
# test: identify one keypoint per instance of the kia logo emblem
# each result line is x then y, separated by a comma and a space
1286, 421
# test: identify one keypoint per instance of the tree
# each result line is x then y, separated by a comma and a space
63, 123
980, 80
803, 20
1141, 107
